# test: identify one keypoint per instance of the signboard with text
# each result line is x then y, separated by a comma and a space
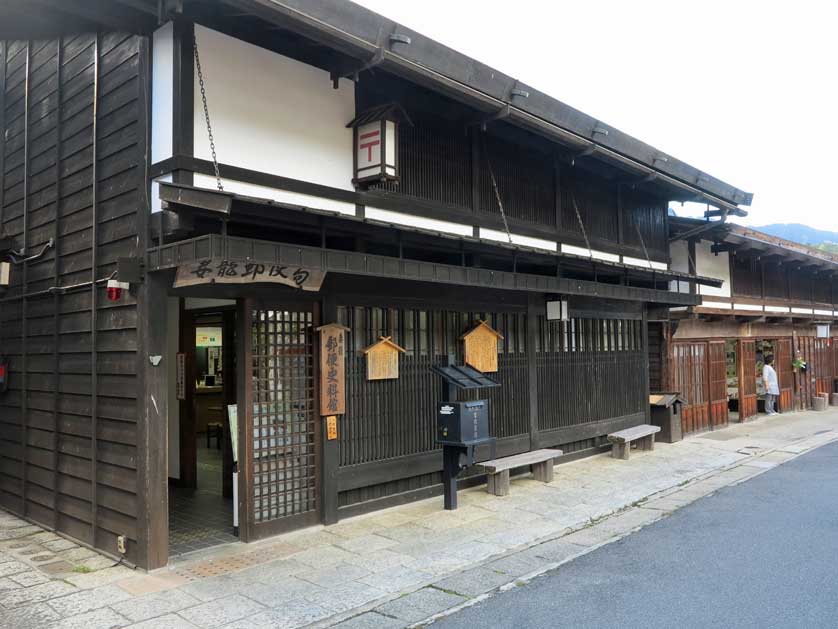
332, 369
224, 271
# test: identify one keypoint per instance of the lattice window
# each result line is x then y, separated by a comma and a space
284, 444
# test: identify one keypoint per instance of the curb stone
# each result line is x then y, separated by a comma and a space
585, 549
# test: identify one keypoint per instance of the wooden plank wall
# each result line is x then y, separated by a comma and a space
557, 389
72, 171
444, 159
657, 357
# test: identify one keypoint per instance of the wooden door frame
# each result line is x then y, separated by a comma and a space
740, 370
187, 421
249, 529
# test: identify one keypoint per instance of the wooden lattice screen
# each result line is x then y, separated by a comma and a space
284, 459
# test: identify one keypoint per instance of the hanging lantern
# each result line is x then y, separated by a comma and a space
375, 134
4, 375
115, 288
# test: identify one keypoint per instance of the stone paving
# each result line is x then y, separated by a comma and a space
399, 567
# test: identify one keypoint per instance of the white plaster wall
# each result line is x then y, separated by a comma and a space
273, 114
281, 196
162, 98
709, 264
172, 338
410, 220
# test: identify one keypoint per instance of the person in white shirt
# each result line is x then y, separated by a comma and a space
772, 387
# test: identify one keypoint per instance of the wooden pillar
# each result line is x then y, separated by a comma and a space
244, 401
186, 425
645, 334
331, 449
535, 304
691, 264
228, 376
152, 430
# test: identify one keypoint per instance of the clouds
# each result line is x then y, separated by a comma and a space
744, 90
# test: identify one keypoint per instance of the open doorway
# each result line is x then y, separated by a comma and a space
764, 349
202, 386
732, 373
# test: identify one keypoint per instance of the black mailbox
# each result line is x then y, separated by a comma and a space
460, 426
462, 423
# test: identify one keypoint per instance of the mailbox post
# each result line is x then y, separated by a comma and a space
460, 426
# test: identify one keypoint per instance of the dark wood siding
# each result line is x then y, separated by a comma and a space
656, 357
800, 285
747, 278
645, 215
551, 394
72, 172
589, 370
525, 180
444, 164
822, 288
434, 162
776, 282
596, 201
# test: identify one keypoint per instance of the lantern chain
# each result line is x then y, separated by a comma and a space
206, 112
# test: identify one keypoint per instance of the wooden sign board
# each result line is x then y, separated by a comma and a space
383, 359
180, 376
224, 271
331, 427
332, 369
480, 347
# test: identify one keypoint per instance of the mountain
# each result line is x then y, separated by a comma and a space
800, 233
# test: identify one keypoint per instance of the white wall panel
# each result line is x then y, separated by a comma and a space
709, 264
411, 220
273, 114
281, 196
162, 98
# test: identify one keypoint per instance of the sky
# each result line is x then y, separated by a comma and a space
746, 91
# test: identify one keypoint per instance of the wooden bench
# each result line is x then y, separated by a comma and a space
497, 471
621, 440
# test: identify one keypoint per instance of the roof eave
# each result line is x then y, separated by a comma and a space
364, 34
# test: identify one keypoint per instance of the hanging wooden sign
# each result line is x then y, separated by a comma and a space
180, 376
480, 346
331, 427
223, 271
332, 369
383, 359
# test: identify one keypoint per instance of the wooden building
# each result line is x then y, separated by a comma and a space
320, 164
778, 298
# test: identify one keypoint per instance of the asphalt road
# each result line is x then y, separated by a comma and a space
763, 553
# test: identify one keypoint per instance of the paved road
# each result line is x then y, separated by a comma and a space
760, 554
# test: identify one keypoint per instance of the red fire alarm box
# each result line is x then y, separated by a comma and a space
4, 375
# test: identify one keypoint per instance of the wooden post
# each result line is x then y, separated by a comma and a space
244, 401
152, 430
331, 448
534, 302
228, 376
645, 332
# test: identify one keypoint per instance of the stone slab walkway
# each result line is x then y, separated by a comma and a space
398, 567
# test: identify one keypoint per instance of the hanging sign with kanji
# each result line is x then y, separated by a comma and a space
480, 347
332, 369
331, 427
224, 271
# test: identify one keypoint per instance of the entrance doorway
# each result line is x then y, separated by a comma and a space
204, 385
